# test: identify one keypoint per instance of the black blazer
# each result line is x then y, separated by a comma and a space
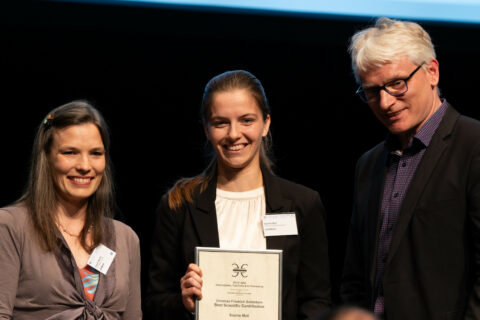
305, 283
432, 269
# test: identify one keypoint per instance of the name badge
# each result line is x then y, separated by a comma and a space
101, 258
283, 224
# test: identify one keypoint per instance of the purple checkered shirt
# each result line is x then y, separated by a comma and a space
401, 166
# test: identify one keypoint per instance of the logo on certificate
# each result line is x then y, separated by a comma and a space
242, 270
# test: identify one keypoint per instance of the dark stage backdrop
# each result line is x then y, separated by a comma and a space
145, 69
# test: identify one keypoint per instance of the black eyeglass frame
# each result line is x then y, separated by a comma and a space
361, 93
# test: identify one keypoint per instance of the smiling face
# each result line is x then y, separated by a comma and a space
235, 129
404, 115
77, 161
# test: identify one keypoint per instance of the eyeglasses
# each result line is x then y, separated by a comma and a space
394, 88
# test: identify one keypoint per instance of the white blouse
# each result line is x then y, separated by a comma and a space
239, 219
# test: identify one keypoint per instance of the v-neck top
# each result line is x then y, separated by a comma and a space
90, 278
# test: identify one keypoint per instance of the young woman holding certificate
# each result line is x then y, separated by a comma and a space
225, 205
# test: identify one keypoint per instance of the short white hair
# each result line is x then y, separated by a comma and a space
388, 41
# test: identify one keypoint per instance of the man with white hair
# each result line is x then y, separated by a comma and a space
414, 243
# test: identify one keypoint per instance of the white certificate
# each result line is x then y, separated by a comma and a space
240, 284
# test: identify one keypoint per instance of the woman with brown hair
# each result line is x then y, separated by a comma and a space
58, 239
224, 207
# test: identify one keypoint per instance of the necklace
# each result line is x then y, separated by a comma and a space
69, 233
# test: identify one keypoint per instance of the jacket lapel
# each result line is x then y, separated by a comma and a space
374, 218
421, 177
275, 204
204, 215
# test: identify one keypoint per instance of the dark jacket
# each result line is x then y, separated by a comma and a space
432, 267
306, 288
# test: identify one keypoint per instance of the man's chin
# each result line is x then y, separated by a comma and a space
398, 129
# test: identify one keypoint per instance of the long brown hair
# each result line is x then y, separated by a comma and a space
238, 79
40, 196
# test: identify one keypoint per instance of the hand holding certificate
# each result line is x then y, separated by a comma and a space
191, 286
239, 284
